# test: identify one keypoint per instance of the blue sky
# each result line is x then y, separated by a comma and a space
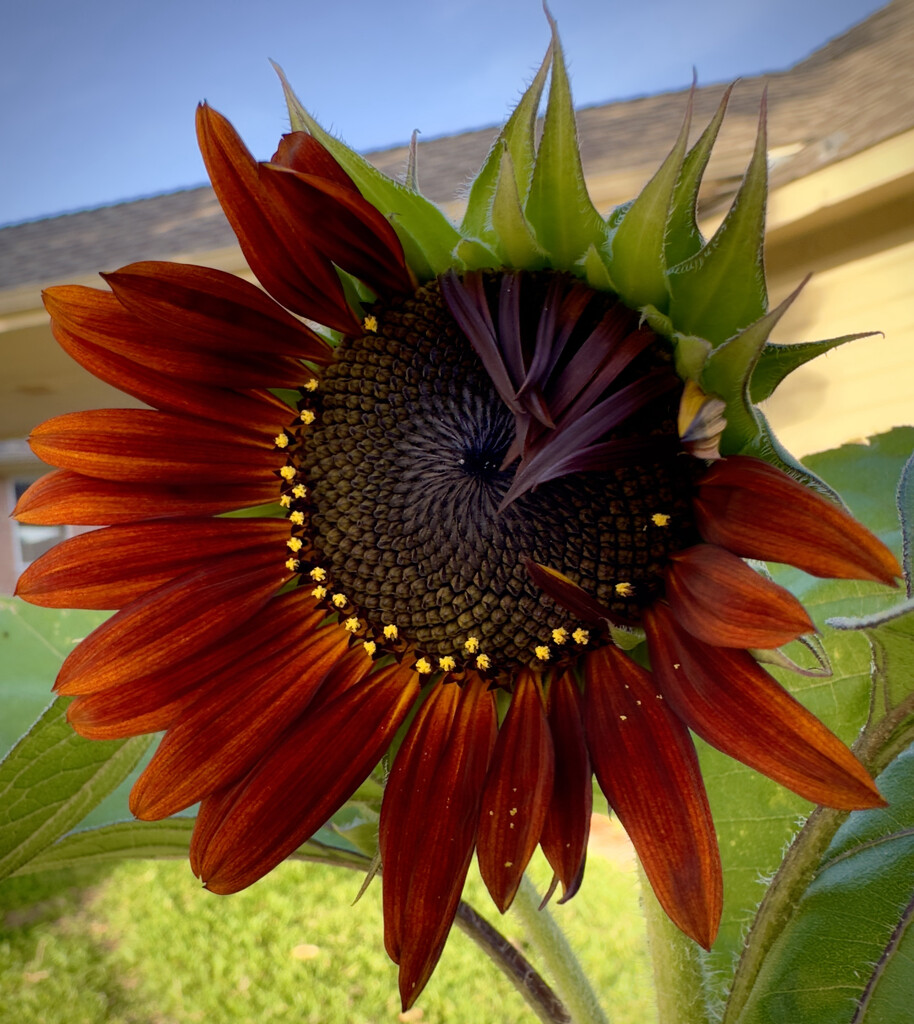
99, 95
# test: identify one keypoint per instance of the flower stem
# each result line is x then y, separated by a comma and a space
678, 962
560, 962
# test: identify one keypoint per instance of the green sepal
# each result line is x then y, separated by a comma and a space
728, 372
637, 243
427, 236
558, 207
475, 255
690, 355
721, 289
519, 137
514, 235
777, 361
596, 273
904, 499
683, 239
411, 180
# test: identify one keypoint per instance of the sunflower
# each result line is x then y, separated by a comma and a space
433, 489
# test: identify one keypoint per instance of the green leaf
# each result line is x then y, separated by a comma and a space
519, 137
558, 206
721, 289
683, 239
846, 953
637, 244
427, 236
777, 361
51, 779
515, 236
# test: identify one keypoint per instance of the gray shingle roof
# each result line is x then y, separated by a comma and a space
855, 91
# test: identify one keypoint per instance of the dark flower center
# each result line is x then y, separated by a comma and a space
405, 469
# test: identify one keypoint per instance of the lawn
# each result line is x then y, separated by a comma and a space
144, 944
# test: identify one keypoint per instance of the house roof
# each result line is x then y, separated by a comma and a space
855, 91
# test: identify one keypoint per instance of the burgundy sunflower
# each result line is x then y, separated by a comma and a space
424, 481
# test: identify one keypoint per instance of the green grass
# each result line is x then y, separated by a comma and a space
144, 944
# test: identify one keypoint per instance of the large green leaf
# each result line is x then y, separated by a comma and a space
845, 957
50, 781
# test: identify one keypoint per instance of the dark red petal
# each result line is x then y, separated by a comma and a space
213, 310
71, 499
719, 599
172, 623
112, 567
733, 704
757, 511
301, 151
567, 824
428, 825
224, 734
262, 356
354, 235
245, 831
645, 762
517, 793
277, 242
145, 446
566, 592
148, 703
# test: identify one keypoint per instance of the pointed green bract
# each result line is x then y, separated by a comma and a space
515, 236
596, 273
683, 239
519, 137
427, 236
721, 289
777, 361
558, 207
637, 261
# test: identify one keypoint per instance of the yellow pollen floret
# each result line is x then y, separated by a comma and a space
299, 491
318, 574
307, 416
339, 600
660, 519
287, 473
311, 384
542, 652
483, 662
292, 564
624, 589
298, 518
391, 632
580, 636
351, 625
294, 544
285, 501
281, 440
319, 593
559, 635
471, 644
370, 323
447, 663
423, 667
370, 647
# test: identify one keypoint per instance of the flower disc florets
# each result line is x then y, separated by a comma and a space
405, 467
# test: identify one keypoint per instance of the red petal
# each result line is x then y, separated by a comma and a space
226, 732
646, 765
144, 446
171, 624
301, 151
733, 704
279, 245
263, 355
567, 824
71, 499
428, 825
517, 792
757, 511
245, 831
149, 703
719, 599
110, 568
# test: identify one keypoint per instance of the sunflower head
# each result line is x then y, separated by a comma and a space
426, 465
